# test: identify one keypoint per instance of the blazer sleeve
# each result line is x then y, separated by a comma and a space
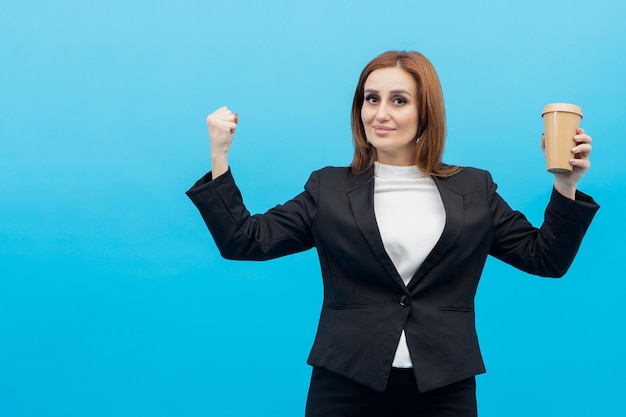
282, 230
549, 250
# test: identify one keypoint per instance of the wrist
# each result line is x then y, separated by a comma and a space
219, 164
565, 189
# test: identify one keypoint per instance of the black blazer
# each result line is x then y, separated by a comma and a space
366, 304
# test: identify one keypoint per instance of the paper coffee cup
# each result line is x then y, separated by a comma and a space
560, 120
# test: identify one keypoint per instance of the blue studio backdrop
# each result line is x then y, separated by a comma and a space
114, 300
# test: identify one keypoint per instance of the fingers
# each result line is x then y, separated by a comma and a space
221, 125
583, 145
581, 151
222, 119
582, 164
582, 137
235, 121
223, 114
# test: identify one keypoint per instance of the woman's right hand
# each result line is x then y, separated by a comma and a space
221, 125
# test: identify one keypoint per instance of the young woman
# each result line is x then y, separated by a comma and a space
402, 240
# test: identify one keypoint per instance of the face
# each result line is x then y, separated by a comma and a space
389, 115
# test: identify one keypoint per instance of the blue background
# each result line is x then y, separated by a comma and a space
113, 298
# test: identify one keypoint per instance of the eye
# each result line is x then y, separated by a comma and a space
399, 100
371, 98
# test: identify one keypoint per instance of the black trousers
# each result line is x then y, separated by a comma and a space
332, 395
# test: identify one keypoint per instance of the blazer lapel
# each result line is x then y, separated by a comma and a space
362, 205
453, 205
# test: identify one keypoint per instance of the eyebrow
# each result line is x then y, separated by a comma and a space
400, 91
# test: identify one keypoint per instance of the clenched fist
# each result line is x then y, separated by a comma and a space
221, 125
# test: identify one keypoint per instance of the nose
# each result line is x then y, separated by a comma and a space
381, 112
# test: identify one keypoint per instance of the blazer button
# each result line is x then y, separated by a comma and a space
404, 300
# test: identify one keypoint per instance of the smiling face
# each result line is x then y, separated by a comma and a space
389, 115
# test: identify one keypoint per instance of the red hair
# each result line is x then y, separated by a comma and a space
430, 109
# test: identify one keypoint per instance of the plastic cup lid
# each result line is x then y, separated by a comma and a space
564, 107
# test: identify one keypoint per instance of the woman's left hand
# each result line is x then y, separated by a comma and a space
566, 183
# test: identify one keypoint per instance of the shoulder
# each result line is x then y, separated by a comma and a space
336, 173
467, 180
339, 178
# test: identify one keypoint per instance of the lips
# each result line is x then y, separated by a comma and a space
382, 130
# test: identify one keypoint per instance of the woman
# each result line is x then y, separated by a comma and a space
402, 240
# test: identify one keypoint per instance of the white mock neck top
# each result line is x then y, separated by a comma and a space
411, 218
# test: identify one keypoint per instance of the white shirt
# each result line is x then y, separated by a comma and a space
411, 218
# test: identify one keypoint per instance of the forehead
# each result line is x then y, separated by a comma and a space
392, 78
